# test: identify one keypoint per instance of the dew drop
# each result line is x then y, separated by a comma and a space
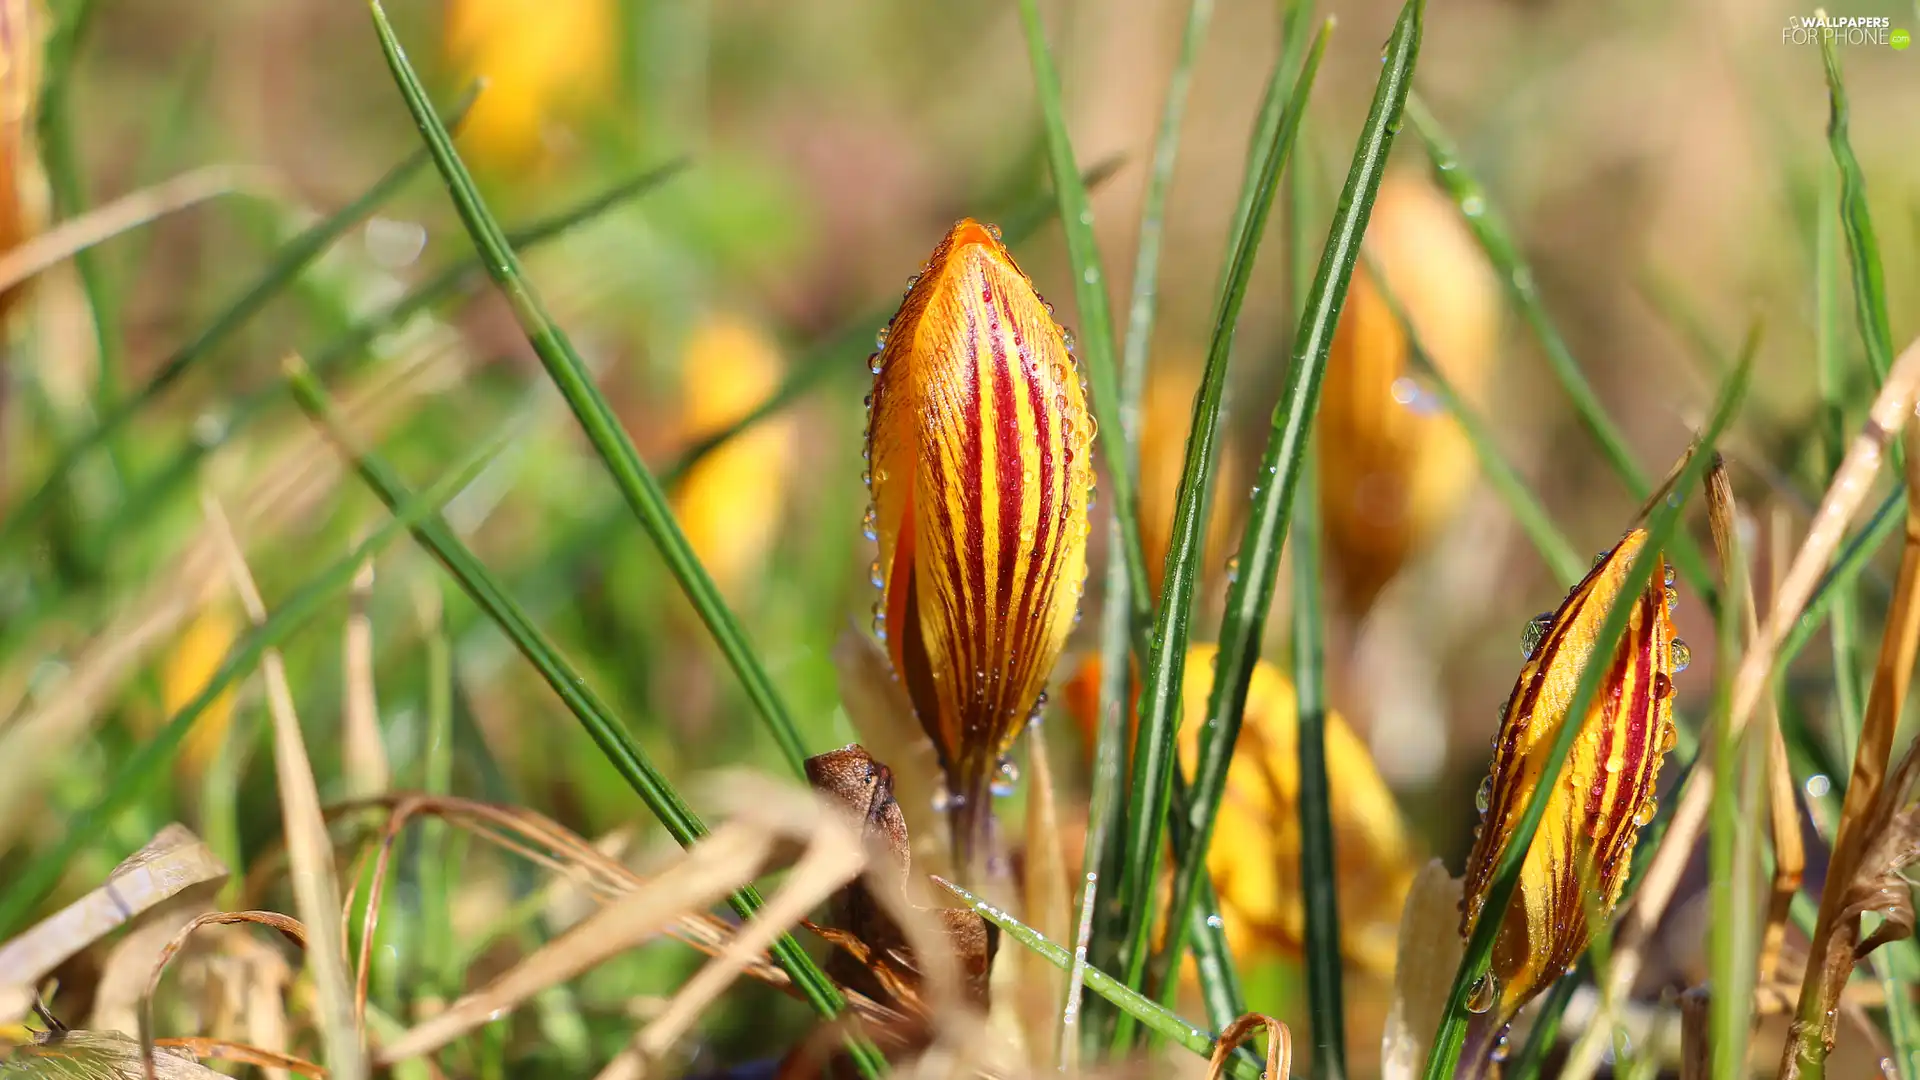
1483, 798
1005, 779
1682, 656
870, 525
1662, 686
1091, 277
1672, 598
866, 477
873, 574
1486, 990
1501, 1047
1233, 568
1669, 738
1644, 816
1066, 339
1536, 632
1473, 206
1667, 575
1614, 764
1026, 534
873, 364
994, 231
912, 281
1216, 922
880, 336
880, 621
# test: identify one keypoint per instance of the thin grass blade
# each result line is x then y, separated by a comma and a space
1250, 594
1487, 227
1154, 763
631, 475
1090, 295
614, 741
1863, 250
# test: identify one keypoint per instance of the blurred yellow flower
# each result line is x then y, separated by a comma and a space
1255, 854
1393, 466
542, 61
731, 502
1166, 418
979, 445
1577, 863
188, 667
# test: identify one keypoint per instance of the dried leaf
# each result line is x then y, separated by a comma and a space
99, 1055
174, 861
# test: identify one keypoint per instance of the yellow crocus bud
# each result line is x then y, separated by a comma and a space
542, 62
731, 502
1393, 467
979, 452
1254, 857
1579, 858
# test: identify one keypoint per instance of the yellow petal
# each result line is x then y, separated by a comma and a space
541, 61
1254, 857
978, 444
1394, 467
731, 502
1580, 855
195, 657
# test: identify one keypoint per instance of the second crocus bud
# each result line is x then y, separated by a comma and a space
1393, 466
1578, 861
979, 448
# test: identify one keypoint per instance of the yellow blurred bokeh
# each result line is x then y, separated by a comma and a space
543, 63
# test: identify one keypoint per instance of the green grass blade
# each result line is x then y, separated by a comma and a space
1153, 212
1144, 1009
1661, 526
146, 767
1090, 296
1276, 132
1863, 250
1830, 369
1250, 594
1517, 278
631, 475
1326, 1002
1154, 763
1733, 931
1501, 475
288, 262
613, 739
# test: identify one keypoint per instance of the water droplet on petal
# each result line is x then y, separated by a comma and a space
1667, 575
994, 231
1233, 568
1483, 798
1536, 632
873, 574
880, 621
1005, 780
1682, 656
1644, 816
870, 525
1672, 598
880, 336
1501, 1048
1662, 686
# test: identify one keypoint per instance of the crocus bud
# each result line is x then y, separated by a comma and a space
1580, 855
23, 29
1393, 466
1255, 854
730, 503
541, 62
979, 456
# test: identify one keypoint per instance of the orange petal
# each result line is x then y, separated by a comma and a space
978, 445
1579, 858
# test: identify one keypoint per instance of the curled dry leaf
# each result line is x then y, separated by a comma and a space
1279, 1045
1577, 864
874, 956
173, 862
980, 468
